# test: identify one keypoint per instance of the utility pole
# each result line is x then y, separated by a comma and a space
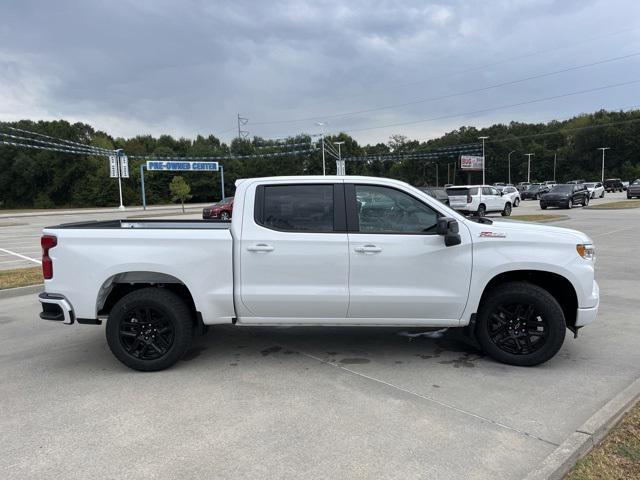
483, 158
242, 134
509, 161
603, 150
324, 167
529, 155
555, 159
119, 154
340, 167
448, 164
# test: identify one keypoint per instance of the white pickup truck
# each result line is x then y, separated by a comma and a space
321, 251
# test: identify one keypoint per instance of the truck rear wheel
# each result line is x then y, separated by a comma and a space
149, 329
520, 324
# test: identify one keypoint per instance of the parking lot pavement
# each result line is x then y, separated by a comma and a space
312, 402
20, 234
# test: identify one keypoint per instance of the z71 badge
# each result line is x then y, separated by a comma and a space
493, 235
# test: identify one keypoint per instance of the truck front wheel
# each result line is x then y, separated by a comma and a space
520, 324
149, 329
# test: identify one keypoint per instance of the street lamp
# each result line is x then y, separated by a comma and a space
529, 155
340, 170
512, 151
324, 169
483, 161
603, 150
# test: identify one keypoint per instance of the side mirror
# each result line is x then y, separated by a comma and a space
448, 227
501, 193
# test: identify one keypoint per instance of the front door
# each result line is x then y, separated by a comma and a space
401, 271
294, 258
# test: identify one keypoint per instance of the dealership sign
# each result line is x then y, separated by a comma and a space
182, 166
470, 162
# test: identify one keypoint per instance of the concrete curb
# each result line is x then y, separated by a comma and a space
16, 292
590, 433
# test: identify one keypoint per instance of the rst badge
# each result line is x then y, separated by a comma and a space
489, 234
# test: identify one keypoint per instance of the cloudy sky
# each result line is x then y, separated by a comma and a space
371, 69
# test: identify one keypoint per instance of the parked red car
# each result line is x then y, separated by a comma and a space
220, 211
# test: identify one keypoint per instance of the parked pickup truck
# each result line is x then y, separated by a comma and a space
321, 251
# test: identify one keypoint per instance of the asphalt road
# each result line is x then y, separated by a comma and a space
312, 402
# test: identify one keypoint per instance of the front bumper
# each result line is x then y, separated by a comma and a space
584, 316
56, 307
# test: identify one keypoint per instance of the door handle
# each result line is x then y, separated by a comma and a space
260, 247
368, 249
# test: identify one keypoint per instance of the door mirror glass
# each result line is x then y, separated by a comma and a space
448, 227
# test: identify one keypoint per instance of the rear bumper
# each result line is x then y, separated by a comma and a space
56, 307
585, 316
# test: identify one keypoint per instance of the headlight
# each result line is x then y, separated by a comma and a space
586, 251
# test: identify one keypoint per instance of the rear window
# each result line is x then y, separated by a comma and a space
461, 192
298, 208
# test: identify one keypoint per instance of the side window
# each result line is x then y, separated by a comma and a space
387, 210
297, 208
486, 191
494, 191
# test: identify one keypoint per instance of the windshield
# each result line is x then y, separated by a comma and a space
562, 189
590, 185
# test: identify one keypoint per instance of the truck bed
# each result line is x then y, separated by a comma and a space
148, 224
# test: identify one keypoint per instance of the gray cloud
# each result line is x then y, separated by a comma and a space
188, 67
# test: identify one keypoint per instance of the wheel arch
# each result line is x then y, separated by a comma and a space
558, 286
120, 284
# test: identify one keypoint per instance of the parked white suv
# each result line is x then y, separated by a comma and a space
478, 200
511, 194
596, 189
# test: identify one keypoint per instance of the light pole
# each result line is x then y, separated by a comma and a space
483, 159
324, 169
512, 151
555, 159
340, 170
529, 155
603, 150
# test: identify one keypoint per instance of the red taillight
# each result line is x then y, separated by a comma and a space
47, 242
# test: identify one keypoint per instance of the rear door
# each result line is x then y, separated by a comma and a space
400, 269
294, 258
458, 197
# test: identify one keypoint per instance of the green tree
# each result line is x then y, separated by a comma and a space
180, 190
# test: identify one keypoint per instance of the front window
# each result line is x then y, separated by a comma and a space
387, 210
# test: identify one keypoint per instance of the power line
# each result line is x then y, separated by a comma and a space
86, 150
51, 149
224, 157
61, 140
453, 95
501, 107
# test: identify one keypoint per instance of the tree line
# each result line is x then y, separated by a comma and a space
48, 179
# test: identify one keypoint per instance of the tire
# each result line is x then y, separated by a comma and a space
516, 202
585, 201
543, 207
158, 344
482, 210
602, 194
507, 210
521, 324
225, 216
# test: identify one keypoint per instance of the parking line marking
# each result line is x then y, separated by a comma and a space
613, 231
21, 256
430, 399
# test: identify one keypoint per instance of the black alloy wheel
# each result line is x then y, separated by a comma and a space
146, 333
520, 323
517, 328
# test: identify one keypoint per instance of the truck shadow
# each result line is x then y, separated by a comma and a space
336, 345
